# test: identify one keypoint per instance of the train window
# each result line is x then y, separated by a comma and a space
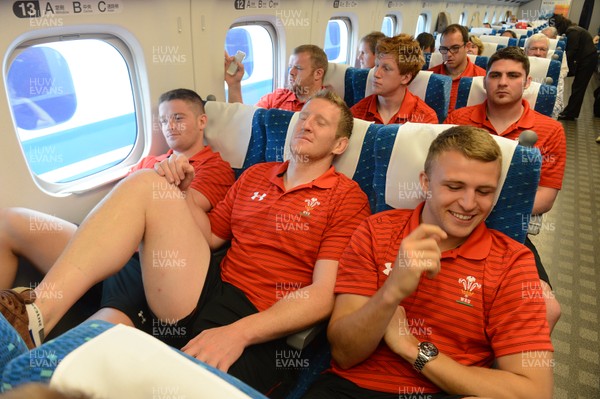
388, 26
256, 41
73, 108
421, 24
462, 20
337, 43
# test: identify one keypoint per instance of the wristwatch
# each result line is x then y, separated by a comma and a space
427, 352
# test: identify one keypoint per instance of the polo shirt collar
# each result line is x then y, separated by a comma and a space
477, 246
526, 121
325, 181
407, 106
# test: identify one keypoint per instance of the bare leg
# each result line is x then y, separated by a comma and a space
142, 208
112, 315
36, 236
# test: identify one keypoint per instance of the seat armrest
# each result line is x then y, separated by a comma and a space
301, 339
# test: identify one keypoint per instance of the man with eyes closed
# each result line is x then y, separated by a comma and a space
507, 114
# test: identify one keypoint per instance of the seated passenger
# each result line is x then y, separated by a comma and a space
537, 45
398, 61
426, 41
40, 238
551, 32
487, 25
474, 45
366, 50
288, 224
307, 68
428, 300
509, 33
456, 63
507, 114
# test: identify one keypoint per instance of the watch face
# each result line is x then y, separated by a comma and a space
428, 349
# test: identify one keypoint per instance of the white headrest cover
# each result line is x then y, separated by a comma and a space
335, 78
408, 159
102, 368
229, 129
345, 163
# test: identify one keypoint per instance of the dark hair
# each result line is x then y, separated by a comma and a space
510, 53
472, 142
186, 95
560, 22
457, 28
512, 34
317, 56
426, 40
371, 39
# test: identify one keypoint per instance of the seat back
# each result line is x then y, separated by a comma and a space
489, 48
544, 70
540, 97
430, 87
482, 31
506, 41
236, 131
400, 152
339, 80
555, 55
357, 162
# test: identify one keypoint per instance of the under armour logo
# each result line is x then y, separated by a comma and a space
141, 315
259, 196
388, 268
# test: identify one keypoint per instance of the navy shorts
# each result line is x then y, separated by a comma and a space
220, 304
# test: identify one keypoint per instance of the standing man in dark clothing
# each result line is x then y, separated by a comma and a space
581, 58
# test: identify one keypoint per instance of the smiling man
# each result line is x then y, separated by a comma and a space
452, 303
398, 60
507, 114
453, 47
306, 70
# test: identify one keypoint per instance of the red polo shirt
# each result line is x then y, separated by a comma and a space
412, 109
551, 137
282, 99
278, 235
470, 71
486, 301
213, 175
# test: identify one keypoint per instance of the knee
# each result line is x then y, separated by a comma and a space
13, 223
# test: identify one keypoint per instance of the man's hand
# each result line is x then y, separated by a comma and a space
419, 253
177, 170
236, 78
218, 347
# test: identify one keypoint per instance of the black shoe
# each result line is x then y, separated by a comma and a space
563, 117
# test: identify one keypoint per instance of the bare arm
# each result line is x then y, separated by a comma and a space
234, 82
544, 199
221, 347
521, 375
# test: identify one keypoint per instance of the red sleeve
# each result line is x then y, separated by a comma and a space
147, 162
351, 209
266, 101
554, 156
359, 110
517, 314
213, 178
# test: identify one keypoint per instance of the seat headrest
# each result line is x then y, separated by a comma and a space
402, 189
229, 130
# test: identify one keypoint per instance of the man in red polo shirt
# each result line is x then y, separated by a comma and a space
507, 114
456, 63
288, 224
398, 60
307, 68
41, 238
429, 299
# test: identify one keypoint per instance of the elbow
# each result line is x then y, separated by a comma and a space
341, 361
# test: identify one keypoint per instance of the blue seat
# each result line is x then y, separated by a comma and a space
540, 97
357, 162
544, 70
400, 152
236, 131
40, 364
